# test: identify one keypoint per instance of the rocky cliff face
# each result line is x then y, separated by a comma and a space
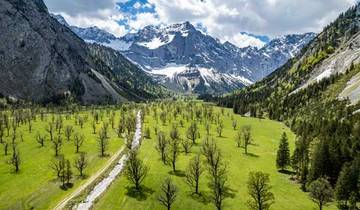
44, 61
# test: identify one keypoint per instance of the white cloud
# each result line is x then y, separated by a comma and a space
224, 19
137, 5
86, 13
142, 20
243, 40
108, 24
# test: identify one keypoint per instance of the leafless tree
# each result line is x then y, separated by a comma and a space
192, 132
147, 133
207, 128
238, 138
186, 144
58, 165
78, 141
173, 153
94, 127
135, 170
161, 145
193, 174
57, 143
220, 128
81, 163
40, 139
6, 147
68, 132
234, 124
102, 142
168, 194
246, 133
50, 129
15, 158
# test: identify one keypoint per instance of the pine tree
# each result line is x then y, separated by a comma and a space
283, 153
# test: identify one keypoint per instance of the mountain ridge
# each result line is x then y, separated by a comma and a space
45, 62
155, 48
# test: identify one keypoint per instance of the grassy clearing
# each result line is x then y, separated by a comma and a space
35, 186
266, 135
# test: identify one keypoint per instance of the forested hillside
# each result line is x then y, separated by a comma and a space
309, 95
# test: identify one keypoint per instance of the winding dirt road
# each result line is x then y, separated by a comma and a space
102, 185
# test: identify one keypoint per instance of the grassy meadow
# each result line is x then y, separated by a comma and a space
262, 155
35, 185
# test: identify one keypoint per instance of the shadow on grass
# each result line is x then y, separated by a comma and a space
66, 186
104, 156
202, 197
139, 195
287, 172
230, 193
252, 155
178, 173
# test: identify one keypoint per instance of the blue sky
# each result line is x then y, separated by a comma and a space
223, 19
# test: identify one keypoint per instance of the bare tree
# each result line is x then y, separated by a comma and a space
78, 141
6, 147
68, 132
173, 153
234, 124
57, 143
102, 142
40, 139
186, 144
259, 191
192, 132
81, 122
193, 174
15, 158
175, 133
81, 163
58, 165
220, 128
168, 193
67, 174
218, 172
30, 126
207, 128
208, 149
94, 127
147, 133
50, 129
238, 138
2, 131
129, 138
121, 128
246, 132
161, 145
135, 170
163, 117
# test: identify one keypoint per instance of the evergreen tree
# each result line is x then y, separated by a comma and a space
283, 153
347, 189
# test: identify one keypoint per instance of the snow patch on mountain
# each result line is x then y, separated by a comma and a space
170, 71
156, 42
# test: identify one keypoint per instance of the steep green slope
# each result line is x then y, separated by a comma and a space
134, 82
309, 94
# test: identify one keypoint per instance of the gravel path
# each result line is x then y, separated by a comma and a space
105, 183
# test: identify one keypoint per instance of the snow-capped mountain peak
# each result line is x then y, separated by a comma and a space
186, 59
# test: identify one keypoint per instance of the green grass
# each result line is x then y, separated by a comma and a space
266, 135
35, 186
